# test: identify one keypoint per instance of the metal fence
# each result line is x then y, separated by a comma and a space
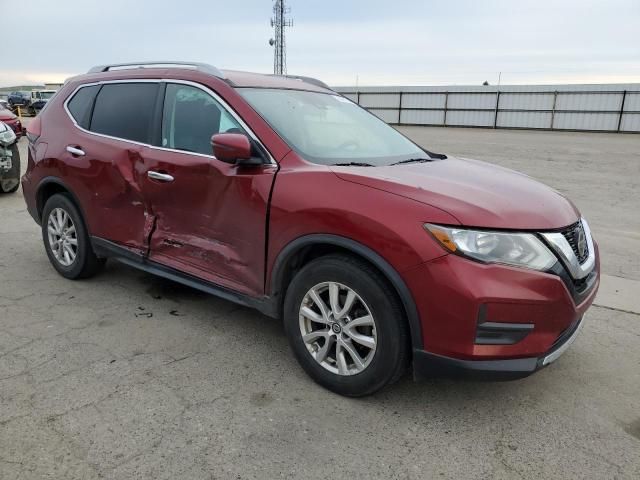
609, 108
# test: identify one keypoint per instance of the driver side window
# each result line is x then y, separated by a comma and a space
191, 116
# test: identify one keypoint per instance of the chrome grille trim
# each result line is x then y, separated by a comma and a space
570, 233
563, 249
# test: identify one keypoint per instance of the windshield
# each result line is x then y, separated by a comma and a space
46, 95
329, 129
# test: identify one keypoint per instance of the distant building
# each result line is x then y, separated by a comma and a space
52, 86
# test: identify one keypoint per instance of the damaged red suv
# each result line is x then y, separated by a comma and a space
279, 194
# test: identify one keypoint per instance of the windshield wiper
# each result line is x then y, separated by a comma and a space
353, 164
414, 160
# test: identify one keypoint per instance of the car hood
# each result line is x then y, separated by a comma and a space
477, 193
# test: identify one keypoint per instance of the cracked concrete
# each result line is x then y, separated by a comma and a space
207, 389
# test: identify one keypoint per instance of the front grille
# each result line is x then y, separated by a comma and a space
577, 238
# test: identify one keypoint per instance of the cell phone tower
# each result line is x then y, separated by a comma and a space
279, 22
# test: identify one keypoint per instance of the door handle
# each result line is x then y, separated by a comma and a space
163, 177
75, 151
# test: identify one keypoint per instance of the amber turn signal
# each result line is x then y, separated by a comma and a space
442, 236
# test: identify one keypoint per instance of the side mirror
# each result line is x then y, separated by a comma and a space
233, 148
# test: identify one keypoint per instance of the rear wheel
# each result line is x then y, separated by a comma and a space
66, 239
345, 326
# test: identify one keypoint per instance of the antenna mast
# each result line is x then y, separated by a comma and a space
279, 22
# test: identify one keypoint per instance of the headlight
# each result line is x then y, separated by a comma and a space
7, 137
519, 249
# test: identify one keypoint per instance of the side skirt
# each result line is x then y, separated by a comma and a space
106, 249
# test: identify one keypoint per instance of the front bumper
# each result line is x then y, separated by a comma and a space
430, 365
494, 321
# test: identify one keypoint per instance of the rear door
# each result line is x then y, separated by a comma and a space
115, 121
210, 216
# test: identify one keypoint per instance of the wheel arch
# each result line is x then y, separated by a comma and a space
50, 186
304, 249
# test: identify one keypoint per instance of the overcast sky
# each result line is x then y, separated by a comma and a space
373, 42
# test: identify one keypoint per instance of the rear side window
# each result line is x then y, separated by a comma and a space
81, 103
125, 110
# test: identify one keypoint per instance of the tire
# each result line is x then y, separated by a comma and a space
379, 366
85, 263
10, 181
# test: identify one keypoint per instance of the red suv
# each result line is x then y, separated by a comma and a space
277, 193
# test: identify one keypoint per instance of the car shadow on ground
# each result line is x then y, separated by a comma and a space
243, 324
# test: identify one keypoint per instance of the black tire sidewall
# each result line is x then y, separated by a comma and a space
76, 269
389, 354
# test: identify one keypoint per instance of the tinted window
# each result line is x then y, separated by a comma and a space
191, 116
125, 110
81, 103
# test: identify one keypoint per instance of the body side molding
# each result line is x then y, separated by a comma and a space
107, 249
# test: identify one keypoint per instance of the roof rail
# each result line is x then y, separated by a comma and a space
311, 80
203, 67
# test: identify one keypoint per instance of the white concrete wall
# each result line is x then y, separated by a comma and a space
558, 107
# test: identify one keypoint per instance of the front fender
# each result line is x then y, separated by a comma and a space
313, 206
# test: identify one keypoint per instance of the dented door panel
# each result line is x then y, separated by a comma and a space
211, 219
107, 181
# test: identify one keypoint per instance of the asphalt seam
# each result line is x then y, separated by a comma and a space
617, 309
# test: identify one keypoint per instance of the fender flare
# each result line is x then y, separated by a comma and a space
390, 273
55, 180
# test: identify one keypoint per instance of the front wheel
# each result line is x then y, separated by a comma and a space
345, 326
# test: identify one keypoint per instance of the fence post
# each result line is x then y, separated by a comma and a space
446, 102
400, 109
624, 97
553, 109
495, 117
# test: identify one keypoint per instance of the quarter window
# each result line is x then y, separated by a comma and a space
191, 116
125, 110
81, 103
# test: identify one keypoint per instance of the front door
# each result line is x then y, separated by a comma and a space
210, 216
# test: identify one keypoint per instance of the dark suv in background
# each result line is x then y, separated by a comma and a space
277, 193
19, 98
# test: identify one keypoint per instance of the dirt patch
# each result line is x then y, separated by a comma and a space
633, 429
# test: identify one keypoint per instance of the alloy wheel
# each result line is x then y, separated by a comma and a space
63, 239
338, 328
